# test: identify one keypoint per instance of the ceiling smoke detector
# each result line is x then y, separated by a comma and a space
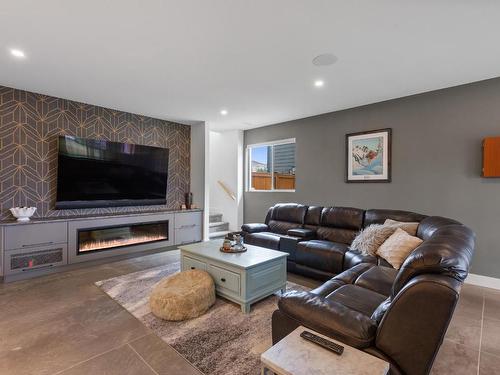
324, 59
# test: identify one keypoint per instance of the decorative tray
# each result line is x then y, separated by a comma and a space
234, 249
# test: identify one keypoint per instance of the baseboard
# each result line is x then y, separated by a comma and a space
484, 281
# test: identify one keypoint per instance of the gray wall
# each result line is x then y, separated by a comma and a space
436, 161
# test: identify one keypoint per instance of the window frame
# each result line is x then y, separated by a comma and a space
248, 165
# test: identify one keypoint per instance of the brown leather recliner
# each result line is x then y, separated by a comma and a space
398, 315
279, 220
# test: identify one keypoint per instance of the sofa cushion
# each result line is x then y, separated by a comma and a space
379, 216
264, 239
379, 279
290, 212
342, 217
322, 255
345, 236
354, 257
347, 277
304, 233
330, 318
357, 298
370, 238
282, 227
339, 224
313, 217
397, 247
409, 227
254, 228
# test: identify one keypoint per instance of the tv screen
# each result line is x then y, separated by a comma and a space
99, 173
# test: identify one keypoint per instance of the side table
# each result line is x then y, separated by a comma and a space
296, 356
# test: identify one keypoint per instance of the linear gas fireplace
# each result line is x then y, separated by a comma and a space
112, 237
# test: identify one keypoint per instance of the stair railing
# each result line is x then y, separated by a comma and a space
227, 190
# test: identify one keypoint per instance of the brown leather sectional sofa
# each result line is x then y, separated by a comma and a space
398, 315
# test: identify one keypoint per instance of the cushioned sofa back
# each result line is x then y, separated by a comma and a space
269, 215
447, 250
287, 216
378, 216
313, 217
340, 224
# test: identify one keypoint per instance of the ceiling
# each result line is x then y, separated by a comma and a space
186, 60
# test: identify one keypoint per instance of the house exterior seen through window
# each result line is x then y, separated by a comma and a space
271, 166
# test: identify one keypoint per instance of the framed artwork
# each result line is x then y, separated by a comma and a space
368, 156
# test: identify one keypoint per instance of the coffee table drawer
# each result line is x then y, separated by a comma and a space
191, 264
225, 279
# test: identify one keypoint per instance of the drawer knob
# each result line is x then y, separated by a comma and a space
193, 268
223, 280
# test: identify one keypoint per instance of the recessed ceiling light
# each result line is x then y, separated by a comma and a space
223, 112
319, 83
324, 59
17, 53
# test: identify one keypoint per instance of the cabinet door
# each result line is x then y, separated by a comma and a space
35, 235
188, 220
187, 235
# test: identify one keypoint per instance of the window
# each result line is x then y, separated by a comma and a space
271, 166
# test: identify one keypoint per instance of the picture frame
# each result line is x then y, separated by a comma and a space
368, 156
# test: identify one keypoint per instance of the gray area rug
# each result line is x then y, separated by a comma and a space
222, 341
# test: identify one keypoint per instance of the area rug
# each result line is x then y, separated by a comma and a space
223, 341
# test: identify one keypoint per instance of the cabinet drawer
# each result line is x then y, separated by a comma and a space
35, 235
187, 220
191, 264
187, 235
225, 279
25, 260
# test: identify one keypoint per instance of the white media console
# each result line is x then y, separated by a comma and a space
43, 245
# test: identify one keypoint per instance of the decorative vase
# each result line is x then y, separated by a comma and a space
188, 200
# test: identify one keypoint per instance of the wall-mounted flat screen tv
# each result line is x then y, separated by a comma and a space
99, 173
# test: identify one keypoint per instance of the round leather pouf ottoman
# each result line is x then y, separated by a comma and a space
184, 295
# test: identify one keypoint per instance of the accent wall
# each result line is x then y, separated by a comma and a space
29, 126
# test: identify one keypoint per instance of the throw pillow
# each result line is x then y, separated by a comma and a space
408, 227
397, 247
370, 238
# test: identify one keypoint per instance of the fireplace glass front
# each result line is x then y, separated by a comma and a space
106, 238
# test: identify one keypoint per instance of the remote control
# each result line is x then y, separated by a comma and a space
327, 344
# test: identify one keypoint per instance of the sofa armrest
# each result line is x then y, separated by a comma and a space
254, 228
303, 233
329, 318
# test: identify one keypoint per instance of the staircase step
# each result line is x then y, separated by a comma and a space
218, 226
214, 218
217, 235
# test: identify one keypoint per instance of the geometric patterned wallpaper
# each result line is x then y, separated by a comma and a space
29, 126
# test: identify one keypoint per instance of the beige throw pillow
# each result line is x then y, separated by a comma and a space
369, 239
408, 227
397, 247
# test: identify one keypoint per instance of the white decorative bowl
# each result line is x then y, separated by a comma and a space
23, 213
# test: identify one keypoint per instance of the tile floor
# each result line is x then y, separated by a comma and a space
63, 324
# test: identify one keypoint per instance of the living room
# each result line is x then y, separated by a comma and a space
249, 187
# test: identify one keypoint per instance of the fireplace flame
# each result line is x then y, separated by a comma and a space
108, 244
